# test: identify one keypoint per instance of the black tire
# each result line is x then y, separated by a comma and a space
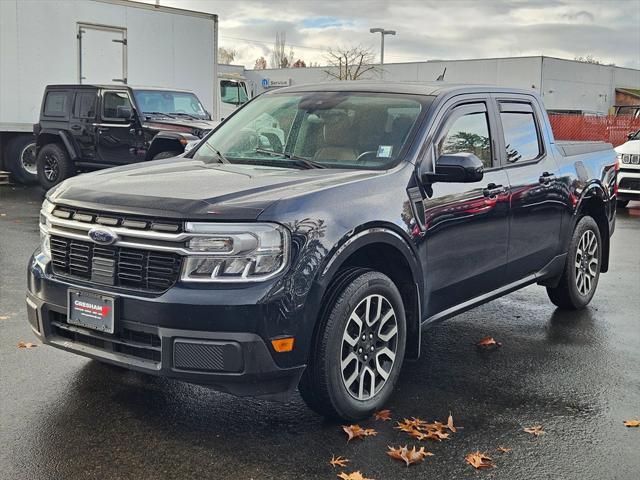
323, 385
168, 154
21, 159
622, 203
54, 165
571, 293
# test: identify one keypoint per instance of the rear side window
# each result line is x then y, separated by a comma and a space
55, 104
85, 106
112, 102
521, 136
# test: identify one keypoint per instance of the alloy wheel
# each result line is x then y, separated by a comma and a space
51, 167
586, 262
369, 347
28, 159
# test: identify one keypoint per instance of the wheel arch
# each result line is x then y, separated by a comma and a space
168, 141
593, 202
60, 137
385, 249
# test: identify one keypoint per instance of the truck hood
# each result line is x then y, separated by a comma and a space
163, 123
191, 189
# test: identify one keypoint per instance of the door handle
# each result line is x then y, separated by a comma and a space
493, 190
76, 127
546, 178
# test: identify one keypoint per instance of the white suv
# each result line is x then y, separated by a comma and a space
629, 174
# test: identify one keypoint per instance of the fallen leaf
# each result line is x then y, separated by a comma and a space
488, 342
409, 457
22, 344
503, 449
383, 415
450, 426
338, 461
535, 430
356, 431
632, 423
4, 317
352, 476
479, 460
3, 214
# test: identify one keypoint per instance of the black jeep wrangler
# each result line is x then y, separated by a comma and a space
88, 127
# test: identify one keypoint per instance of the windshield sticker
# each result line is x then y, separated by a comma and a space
384, 151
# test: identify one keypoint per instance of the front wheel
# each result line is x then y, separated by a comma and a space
582, 268
54, 165
168, 154
358, 349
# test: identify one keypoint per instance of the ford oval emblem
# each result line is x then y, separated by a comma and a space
103, 236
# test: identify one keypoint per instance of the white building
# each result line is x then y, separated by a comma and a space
564, 85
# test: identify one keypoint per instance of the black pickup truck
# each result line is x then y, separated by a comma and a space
89, 127
309, 238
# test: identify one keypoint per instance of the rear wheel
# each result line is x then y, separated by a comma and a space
358, 349
54, 165
582, 268
168, 154
21, 158
622, 203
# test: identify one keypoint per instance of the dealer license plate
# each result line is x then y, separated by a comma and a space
91, 310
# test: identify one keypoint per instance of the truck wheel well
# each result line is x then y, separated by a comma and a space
163, 145
594, 207
390, 261
47, 138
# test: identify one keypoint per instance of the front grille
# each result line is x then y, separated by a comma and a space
116, 266
134, 343
117, 220
629, 184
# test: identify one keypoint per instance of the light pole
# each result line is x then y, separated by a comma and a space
382, 33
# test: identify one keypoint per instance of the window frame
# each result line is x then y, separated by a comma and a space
458, 110
115, 119
518, 104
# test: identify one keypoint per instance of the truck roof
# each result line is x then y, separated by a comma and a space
117, 87
411, 88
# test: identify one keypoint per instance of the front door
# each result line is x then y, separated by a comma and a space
466, 223
116, 133
536, 195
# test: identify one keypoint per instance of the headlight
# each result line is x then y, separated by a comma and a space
235, 252
47, 208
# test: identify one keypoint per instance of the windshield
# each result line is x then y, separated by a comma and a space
158, 102
233, 92
317, 129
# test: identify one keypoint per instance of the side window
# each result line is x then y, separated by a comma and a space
114, 103
468, 133
56, 104
521, 136
85, 105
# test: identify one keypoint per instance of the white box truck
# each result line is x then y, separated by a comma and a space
46, 42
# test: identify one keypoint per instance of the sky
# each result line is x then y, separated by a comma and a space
608, 30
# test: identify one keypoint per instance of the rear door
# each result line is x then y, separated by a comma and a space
536, 193
466, 223
102, 54
82, 122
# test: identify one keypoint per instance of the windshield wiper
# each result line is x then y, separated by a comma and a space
298, 161
186, 115
159, 113
219, 154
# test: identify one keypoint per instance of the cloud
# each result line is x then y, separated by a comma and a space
431, 29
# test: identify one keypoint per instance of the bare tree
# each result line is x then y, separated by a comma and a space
351, 63
279, 56
226, 55
299, 64
261, 64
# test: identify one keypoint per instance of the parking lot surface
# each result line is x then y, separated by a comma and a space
577, 374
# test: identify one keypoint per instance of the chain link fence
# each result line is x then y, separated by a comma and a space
610, 128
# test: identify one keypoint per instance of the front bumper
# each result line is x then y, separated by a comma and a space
182, 334
629, 184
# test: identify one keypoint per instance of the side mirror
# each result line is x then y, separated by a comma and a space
190, 145
456, 168
125, 113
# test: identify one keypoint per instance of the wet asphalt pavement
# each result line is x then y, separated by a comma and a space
576, 374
